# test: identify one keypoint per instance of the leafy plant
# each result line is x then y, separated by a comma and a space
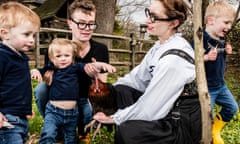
106, 136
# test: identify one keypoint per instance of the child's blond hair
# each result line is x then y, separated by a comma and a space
219, 8
14, 13
60, 43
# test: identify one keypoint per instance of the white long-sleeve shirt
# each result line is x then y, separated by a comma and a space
160, 80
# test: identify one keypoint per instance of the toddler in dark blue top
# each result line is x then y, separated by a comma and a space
18, 28
219, 17
61, 110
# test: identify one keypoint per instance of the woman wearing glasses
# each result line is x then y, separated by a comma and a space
154, 104
82, 22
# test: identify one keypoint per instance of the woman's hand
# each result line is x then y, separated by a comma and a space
94, 68
104, 67
91, 70
102, 118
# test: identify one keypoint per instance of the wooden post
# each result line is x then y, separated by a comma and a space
200, 72
132, 48
37, 50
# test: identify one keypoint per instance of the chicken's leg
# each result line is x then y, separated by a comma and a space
91, 125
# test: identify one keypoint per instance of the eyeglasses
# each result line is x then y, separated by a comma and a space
83, 26
154, 18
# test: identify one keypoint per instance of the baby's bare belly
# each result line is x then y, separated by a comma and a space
64, 104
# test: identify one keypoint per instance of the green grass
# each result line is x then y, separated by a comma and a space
105, 137
231, 131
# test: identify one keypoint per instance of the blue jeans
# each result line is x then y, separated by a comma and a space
41, 97
16, 135
55, 119
84, 108
222, 96
85, 114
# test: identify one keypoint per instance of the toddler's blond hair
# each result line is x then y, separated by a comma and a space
14, 13
219, 8
59, 43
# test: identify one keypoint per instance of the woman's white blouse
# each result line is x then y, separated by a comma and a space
160, 80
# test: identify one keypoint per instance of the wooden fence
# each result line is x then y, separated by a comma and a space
126, 51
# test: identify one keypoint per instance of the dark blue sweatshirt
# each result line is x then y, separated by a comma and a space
15, 83
214, 69
65, 83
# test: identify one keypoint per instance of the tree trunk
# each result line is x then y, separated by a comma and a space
105, 18
201, 77
204, 6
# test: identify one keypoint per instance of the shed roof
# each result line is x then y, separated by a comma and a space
50, 8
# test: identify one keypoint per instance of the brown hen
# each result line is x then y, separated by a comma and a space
101, 96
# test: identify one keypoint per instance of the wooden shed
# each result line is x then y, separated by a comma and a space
53, 13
